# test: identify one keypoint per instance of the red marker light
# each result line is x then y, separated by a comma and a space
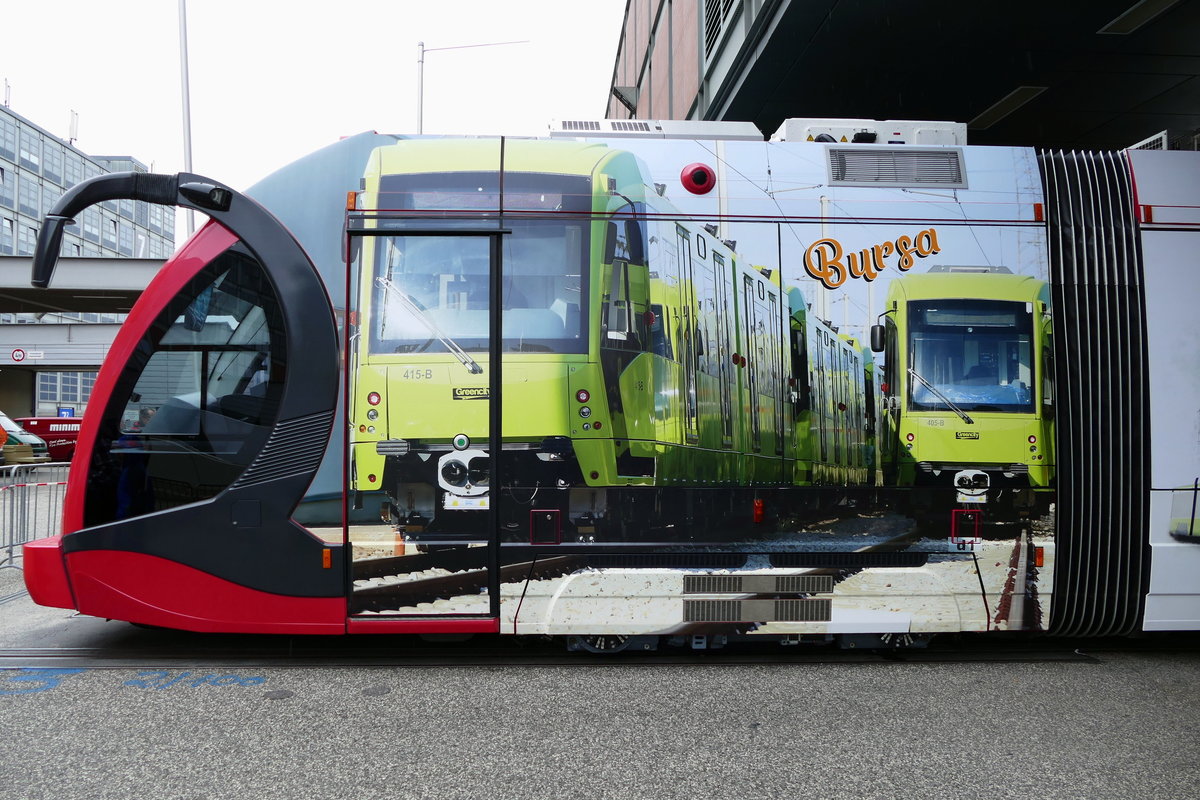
373, 398
910, 437
583, 395
596, 426
698, 178
1033, 440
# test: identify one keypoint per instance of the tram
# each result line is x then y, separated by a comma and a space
636, 392
970, 377
639, 349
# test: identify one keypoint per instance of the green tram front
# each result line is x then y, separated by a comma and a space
419, 382
968, 379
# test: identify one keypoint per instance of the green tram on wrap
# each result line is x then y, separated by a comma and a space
649, 371
968, 388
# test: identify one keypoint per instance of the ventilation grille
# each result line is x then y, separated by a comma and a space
804, 584
712, 611
295, 447
1102, 414
580, 125
619, 125
809, 609
712, 584
912, 166
757, 584
715, 14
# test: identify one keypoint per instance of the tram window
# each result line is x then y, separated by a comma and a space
976, 354
198, 399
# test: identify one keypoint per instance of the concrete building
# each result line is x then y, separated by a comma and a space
1104, 74
52, 344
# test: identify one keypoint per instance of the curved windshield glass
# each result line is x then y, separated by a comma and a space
430, 293
198, 398
975, 355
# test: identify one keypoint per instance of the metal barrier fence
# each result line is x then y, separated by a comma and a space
31, 505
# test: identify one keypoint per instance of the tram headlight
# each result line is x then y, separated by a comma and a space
373, 414
479, 472
585, 412
454, 473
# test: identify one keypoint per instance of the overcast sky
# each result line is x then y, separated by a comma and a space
273, 80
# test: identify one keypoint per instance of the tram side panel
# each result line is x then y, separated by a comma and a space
678, 428
1169, 211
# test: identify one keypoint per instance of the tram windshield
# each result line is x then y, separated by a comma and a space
431, 293
975, 354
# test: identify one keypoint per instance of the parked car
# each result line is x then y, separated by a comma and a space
59, 433
21, 446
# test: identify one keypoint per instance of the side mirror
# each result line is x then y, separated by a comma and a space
878, 338
633, 234
610, 243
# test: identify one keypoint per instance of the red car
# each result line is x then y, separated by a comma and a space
60, 434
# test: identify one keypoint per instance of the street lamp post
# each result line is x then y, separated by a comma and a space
421, 51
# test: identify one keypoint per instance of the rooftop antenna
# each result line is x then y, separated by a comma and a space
187, 104
7, 92
74, 134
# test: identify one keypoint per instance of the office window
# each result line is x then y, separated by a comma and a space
52, 161
29, 196
50, 194
8, 137
91, 225
125, 242
26, 238
125, 208
108, 231
72, 169
8, 186
6, 236
30, 155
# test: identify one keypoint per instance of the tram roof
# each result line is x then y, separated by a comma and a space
469, 154
946, 285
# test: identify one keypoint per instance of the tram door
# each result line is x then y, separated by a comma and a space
422, 418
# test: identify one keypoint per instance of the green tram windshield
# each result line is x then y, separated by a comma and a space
978, 354
435, 288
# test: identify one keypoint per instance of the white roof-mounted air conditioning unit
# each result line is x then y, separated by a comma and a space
871, 131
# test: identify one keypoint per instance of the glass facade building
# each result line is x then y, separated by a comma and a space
36, 168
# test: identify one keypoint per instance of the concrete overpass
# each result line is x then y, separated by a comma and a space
99, 285
80, 285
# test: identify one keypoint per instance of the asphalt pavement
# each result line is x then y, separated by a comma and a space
154, 715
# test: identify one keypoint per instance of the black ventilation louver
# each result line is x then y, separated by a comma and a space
1103, 451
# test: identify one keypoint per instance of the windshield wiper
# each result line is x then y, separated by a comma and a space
471, 364
942, 397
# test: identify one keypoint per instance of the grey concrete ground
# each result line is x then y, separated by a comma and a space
1123, 725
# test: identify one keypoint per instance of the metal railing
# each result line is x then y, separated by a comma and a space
31, 506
